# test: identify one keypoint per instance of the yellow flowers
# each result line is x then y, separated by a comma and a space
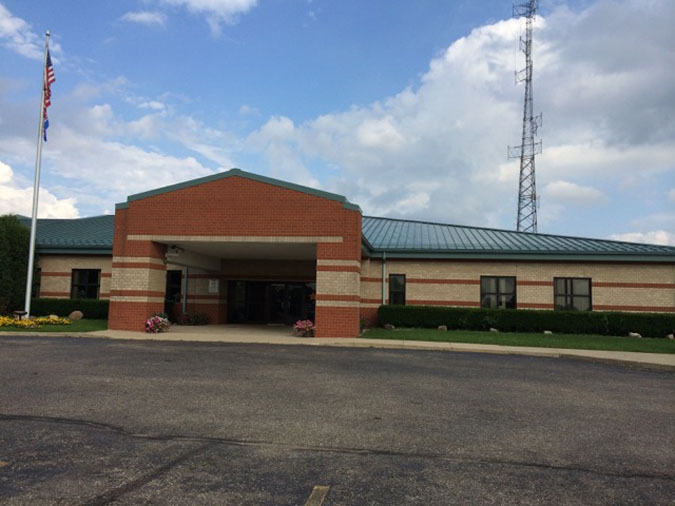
51, 320
8, 321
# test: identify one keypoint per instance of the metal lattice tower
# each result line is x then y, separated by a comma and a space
527, 188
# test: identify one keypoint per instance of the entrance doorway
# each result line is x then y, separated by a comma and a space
174, 279
270, 301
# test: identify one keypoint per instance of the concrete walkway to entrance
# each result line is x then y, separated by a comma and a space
280, 334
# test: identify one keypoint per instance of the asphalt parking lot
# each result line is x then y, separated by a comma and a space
92, 422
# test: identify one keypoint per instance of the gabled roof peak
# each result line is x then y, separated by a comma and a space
247, 175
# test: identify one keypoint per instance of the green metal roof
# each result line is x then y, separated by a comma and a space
395, 238
82, 235
247, 175
418, 239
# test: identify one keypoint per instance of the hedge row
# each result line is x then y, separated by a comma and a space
513, 320
92, 309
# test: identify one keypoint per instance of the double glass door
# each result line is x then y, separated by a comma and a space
270, 302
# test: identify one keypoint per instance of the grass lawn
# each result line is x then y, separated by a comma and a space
572, 341
76, 326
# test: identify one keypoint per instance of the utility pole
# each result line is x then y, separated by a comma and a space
527, 187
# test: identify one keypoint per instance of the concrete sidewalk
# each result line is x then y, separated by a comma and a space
270, 334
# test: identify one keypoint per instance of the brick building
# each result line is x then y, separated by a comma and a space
247, 248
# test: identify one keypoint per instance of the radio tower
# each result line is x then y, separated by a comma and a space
527, 188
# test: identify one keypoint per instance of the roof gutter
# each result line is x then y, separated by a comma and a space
532, 257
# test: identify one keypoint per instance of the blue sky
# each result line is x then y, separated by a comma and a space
404, 107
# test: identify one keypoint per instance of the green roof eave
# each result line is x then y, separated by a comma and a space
85, 250
247, 175
479, 255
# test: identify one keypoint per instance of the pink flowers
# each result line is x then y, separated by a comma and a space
157, 324
304, 328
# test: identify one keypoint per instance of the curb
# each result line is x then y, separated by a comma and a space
633, 364
572, 353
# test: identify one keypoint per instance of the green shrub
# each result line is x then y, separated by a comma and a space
526, 320
93, 309
194, 319
14, 245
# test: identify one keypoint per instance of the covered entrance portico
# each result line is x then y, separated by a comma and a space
241, 282
248, 248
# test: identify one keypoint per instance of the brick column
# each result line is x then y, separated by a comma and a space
138, 284
337, 297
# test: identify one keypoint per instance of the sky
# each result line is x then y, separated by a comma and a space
406, 107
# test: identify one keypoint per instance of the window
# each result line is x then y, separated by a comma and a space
498, 292
397, 289
85, 283
572, 294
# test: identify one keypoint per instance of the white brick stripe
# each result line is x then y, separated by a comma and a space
133, 298
337, 303
123, 260
348, 263
237, 238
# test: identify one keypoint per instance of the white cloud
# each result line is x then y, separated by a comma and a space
15, 199
453, 128
119, 168
98, 157
17, 35
671, 195
662, 237
145, 17
247, 110
215, 11
566, 192
155, 105
665, 220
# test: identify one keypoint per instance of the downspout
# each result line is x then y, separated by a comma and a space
187, 272
384, 277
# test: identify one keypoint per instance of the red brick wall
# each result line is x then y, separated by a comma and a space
238, 206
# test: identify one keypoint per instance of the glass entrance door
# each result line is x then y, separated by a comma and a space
270, 302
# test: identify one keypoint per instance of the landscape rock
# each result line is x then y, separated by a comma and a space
52, 316
634, 334
389, 326
76, 315
548, 332
442, 327
493, 330
670, 336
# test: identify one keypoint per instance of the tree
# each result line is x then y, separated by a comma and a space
14, 245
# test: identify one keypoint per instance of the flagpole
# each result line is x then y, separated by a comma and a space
36, 186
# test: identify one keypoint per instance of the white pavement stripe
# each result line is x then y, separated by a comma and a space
317, 496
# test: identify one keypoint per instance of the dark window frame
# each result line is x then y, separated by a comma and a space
394, 294
569, 283
499, 295
75, 288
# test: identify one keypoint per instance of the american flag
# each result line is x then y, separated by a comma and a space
49, 79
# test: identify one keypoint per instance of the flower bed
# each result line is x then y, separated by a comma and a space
157, 324
32, 323
304, 328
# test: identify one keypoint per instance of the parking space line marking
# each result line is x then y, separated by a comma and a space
317, 496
